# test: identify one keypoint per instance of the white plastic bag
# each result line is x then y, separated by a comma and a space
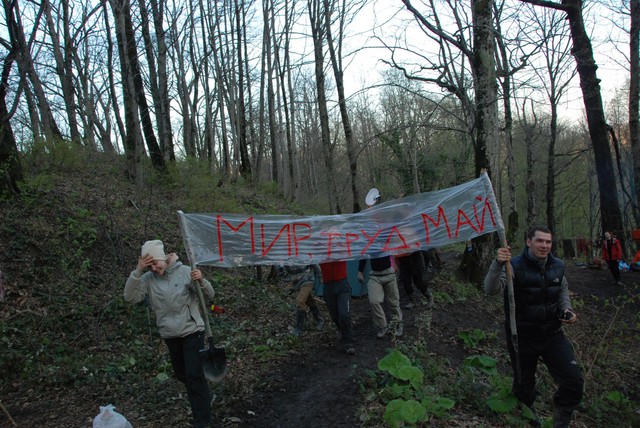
109, 418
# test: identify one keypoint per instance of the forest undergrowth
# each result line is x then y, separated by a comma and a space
69, 343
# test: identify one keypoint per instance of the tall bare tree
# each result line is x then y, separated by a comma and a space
318, 32
634, 97
551, 37
155, 47
598, 128
37, 100
63, 52
507, 67
10, 165
335, 54
134, 93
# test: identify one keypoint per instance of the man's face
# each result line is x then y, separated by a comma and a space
539, 244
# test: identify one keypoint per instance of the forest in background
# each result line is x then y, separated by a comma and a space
261, 92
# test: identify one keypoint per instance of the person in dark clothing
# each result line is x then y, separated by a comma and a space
413, 271
542, 306
337, 295
612, 254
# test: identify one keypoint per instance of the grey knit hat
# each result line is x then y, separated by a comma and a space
154, 248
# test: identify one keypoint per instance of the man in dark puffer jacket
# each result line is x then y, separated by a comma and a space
542, 306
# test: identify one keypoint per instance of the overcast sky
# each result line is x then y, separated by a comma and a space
387, 19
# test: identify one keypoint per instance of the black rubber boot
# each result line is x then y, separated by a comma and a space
301, 314
318, 317
562, 416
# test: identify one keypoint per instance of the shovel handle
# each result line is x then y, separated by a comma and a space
203, 309
512, 306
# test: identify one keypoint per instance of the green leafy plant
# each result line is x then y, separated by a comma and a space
483, 363
472, 338
410, 404
618, 399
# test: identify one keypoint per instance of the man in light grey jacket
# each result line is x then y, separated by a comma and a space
170, 286
542, 307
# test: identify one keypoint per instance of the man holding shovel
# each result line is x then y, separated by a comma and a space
170, 286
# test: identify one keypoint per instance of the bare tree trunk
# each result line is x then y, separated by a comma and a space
506, 72
551, 169
634, 98
262, 127
220, 81
558, 71
592, 97
209, 97
485, 77
317, 31
486, 120
133, 68
158, 79
184, 93
284, 74
338, 74
132, 136
25, 65
530, 182
271, 106
87, 91
64, 62
10, 165
245, 162
291, 119
110, 73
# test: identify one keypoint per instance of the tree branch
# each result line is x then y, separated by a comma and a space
549, 4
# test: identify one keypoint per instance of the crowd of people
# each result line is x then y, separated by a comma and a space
533, 280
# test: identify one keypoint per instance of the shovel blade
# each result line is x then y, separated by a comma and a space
214, 363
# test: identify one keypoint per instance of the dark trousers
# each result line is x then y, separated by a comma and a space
413, 269
557, 354
185, 360
337, 296
614, 267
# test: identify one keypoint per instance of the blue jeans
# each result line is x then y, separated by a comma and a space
337, 296
556, 353
185, 360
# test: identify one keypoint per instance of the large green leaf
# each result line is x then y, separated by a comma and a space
394, 362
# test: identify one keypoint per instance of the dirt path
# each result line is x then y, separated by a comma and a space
319, 387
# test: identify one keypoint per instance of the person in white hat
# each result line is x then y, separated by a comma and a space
170, 286
382, 285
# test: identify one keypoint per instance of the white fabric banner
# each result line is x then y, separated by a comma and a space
400, 226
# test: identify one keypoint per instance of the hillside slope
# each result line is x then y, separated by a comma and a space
70, 344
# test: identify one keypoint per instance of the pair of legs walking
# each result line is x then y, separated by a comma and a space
556, 353
337, 296
413, 271
185, 360
382, 286
304, 300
